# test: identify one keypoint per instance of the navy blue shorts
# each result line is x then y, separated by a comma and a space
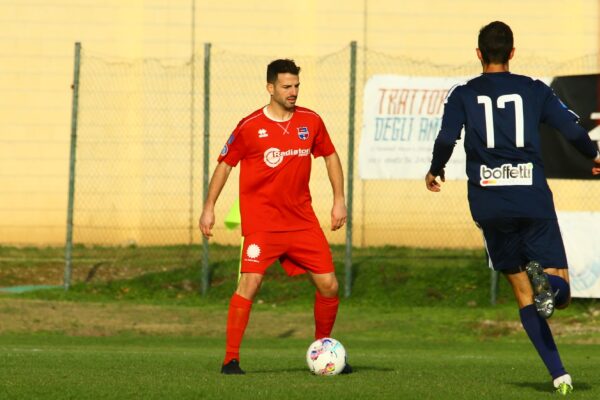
513, 242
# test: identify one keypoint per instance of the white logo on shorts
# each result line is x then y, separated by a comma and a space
253, 251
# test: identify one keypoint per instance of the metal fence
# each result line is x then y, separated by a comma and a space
148, 133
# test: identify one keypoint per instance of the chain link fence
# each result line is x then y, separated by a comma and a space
140, 154
138, 167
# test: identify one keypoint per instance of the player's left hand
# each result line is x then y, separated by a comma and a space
338, 215
596, 168
432, 184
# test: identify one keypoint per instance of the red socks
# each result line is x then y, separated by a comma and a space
239, 313
326, 309
237, 320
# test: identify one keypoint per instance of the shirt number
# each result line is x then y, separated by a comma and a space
489, 117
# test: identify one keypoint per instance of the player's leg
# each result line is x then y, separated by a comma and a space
326, 302
543, 295
238, 316
310, 250
559, 281
257, 256
504, 244
326, 307
543, 243
249, 285
537, 328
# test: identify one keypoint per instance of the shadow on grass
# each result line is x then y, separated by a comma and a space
356, 369
543, 387
275, 371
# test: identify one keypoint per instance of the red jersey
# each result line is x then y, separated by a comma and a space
275, 169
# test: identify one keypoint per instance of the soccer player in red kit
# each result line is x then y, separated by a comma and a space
274, 145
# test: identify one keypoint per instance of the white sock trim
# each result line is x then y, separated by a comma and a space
566, 378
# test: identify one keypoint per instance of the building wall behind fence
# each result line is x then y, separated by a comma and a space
36, 47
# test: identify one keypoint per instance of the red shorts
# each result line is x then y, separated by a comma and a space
297, 251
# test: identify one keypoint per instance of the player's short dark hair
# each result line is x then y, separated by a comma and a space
281, 66
495, 42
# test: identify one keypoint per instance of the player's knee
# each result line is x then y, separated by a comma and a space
249, 285
329, 288
334, 288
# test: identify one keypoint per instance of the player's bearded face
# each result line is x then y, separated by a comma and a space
285, 90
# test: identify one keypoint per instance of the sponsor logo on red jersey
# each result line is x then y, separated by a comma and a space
273, 156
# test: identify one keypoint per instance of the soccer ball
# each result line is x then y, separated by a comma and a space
326, 356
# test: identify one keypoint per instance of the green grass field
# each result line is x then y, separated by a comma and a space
418, 326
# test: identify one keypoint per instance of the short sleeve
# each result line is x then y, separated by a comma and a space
322, 145
234, 149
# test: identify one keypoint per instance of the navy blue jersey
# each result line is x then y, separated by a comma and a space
501, 113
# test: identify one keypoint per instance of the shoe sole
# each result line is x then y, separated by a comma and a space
564, 389
233, 368
233, 372
542, 292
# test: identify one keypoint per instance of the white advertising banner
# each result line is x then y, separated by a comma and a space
580, 234
402, 117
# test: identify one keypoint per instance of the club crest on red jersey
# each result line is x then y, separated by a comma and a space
303, 133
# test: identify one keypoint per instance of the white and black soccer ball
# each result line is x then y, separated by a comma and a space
326, 356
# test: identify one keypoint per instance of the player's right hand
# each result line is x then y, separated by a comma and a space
206, 223
596, 168
432, 184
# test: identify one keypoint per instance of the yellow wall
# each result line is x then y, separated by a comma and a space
36, 67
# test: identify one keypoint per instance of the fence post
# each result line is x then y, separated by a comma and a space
192, 124
73, 153
205, 179
350, 175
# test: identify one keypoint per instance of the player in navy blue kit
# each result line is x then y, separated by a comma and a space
508, 194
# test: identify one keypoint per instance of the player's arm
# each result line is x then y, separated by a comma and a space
556, 114
580, 139
452, 123
336, 177
217, 182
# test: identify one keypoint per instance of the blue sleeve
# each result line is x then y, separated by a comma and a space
556, 114
453, 121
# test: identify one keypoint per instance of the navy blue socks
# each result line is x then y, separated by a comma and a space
540, 335
563, 288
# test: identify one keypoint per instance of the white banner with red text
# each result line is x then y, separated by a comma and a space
401, 119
